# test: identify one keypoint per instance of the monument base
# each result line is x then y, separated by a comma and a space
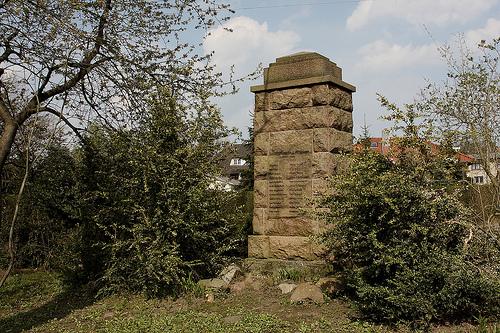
306, 268
283, 247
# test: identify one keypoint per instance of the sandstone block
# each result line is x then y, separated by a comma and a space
290, 98
258, 246
342, 99
261, 144
324, 164
292, 248
261, 167
259, 221
326, 94
284, 212
331, 140
321, 94
304, 118
261, 101
290, 142
289, 167
260, 193
299, 66
301, 226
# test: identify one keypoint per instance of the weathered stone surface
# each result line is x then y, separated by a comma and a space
229, 273
299, 226
324, 164
288, 193
299, 66
307, 292
258, 246
289, 166
261, 144
286, 247
284, 212
259, 221
260, 193
290, 142
304, 118
331, 140
287, 287
290, 98
260, 167
261, 101
283, 247
212, 284
326, 94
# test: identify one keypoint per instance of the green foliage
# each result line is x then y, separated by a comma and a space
150, 211
48, 211
399, 234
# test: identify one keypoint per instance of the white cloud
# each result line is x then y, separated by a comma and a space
488, 32
434, 12
383, 56
249, 43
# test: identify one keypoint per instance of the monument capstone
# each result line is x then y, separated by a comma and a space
302, 124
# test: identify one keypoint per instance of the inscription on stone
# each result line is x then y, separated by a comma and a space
289, 177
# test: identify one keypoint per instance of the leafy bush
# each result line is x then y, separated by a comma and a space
400, 238
149, 204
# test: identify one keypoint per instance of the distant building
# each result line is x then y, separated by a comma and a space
475, 171
385, 147
233, 163
477, 174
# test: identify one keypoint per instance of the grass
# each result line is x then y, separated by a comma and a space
38, 302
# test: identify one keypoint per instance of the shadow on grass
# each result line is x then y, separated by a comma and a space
57, 308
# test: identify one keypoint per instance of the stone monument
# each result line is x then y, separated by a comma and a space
303, 121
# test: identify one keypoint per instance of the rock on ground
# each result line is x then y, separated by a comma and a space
307, 292
287, 287
212, 284
230, 273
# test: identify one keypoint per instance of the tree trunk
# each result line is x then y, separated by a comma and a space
6, 142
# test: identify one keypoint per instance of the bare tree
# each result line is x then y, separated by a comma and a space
467, 106
95, 60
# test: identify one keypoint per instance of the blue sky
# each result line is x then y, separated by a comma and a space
384, 46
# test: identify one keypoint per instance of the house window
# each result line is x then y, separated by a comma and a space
237, 161
374, 144
476, 166
478, 180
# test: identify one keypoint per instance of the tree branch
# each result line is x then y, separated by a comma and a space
64, 119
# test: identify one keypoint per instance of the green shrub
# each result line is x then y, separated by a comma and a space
151, 219
398, 235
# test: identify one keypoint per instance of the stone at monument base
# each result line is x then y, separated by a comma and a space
308, 269
283, 247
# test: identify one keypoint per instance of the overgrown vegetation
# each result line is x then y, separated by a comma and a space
150, 205
36, 302
134, 209
402, 238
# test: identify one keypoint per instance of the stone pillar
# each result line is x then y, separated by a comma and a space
303, 120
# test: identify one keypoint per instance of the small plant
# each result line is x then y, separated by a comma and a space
292, 274
485, 327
